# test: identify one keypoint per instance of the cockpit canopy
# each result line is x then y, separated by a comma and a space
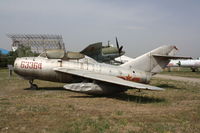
61, 54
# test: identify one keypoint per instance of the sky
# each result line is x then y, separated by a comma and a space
140, 25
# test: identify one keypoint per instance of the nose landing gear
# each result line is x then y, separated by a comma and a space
32, 86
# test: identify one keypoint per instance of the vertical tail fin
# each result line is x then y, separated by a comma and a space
153, 61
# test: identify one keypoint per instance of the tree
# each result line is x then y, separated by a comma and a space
3, 60
22, 51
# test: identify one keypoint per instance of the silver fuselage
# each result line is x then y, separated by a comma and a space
43, 68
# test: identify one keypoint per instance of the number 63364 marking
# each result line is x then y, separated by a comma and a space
31, 65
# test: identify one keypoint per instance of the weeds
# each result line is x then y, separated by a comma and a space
52, 109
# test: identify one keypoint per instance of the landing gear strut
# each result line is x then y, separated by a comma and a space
32, 86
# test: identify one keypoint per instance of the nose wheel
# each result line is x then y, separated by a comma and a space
33, 86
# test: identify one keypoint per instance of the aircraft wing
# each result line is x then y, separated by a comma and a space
92, 49
106, 78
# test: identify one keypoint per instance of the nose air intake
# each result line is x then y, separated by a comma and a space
16, 65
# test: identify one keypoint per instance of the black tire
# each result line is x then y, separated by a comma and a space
34, 86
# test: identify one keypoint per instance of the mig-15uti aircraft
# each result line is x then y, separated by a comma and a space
84, 74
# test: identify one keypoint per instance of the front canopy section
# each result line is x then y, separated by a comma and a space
55, 54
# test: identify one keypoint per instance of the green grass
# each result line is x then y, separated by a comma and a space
52, 109
183, 72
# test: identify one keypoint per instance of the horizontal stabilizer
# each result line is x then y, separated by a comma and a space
171, 57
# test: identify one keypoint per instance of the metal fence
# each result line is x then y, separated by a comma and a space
37, 42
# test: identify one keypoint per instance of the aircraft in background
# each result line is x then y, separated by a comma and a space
122, 59
194, 64
102, 53
86, 75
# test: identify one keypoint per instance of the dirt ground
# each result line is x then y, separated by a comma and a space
178, 78
55, 110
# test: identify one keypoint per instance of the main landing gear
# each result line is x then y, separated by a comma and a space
32, 86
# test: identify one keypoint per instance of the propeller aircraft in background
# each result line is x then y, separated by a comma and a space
102, 53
